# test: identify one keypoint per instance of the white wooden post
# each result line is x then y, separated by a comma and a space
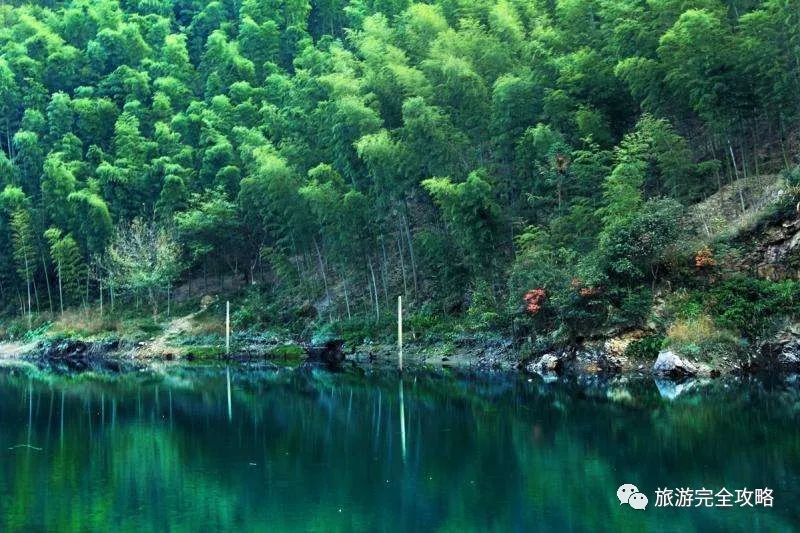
227, 328
400, 333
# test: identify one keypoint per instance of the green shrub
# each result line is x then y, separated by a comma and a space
633, 247
17, 328
793, 176
205, 352
482, 313
646, 348
356, 330
751, 306
632, 306
701, 337
201, 339
146, 326
572, 304
287, 352
689, 308
429, 324
422, 321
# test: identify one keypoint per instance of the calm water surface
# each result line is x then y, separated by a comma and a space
313, 451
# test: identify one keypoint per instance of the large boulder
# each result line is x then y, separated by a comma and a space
670, 365
594, 359
578, 360
782, 354
546, 364
789, 358
776, 250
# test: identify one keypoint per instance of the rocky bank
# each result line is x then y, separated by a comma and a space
592, 358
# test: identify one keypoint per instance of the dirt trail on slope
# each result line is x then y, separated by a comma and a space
15, 350
162, 344
722, 211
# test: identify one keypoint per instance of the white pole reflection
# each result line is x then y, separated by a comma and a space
402, 421
61, 425
228, 378
30, 410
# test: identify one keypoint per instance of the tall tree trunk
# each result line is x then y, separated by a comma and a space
786, 164
753, 133
28, 285
153, 301
60, 289
411, 252
402, 262
370, 301
47, 282
374, 291
736, 172
8, 141
346, 297
384, 272
36, 296
322, 270
713, 150
253, 266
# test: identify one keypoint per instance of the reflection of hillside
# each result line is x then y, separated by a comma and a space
143, 452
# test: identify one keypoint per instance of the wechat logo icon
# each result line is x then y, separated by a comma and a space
629, 494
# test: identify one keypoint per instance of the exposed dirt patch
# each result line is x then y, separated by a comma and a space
164, 344
15, 350
736, 205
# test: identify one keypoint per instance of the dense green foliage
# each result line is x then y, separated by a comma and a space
748, 305
336, 154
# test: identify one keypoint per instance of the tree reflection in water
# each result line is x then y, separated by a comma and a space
329, 452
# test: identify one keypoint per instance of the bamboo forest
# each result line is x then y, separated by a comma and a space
396, 265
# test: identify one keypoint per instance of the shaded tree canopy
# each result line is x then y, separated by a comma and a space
352, 150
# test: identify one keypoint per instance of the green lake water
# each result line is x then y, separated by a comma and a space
312, 451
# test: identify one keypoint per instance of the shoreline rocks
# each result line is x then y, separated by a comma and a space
669, 364
782, 355
546, 364
75, 355
598, 357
